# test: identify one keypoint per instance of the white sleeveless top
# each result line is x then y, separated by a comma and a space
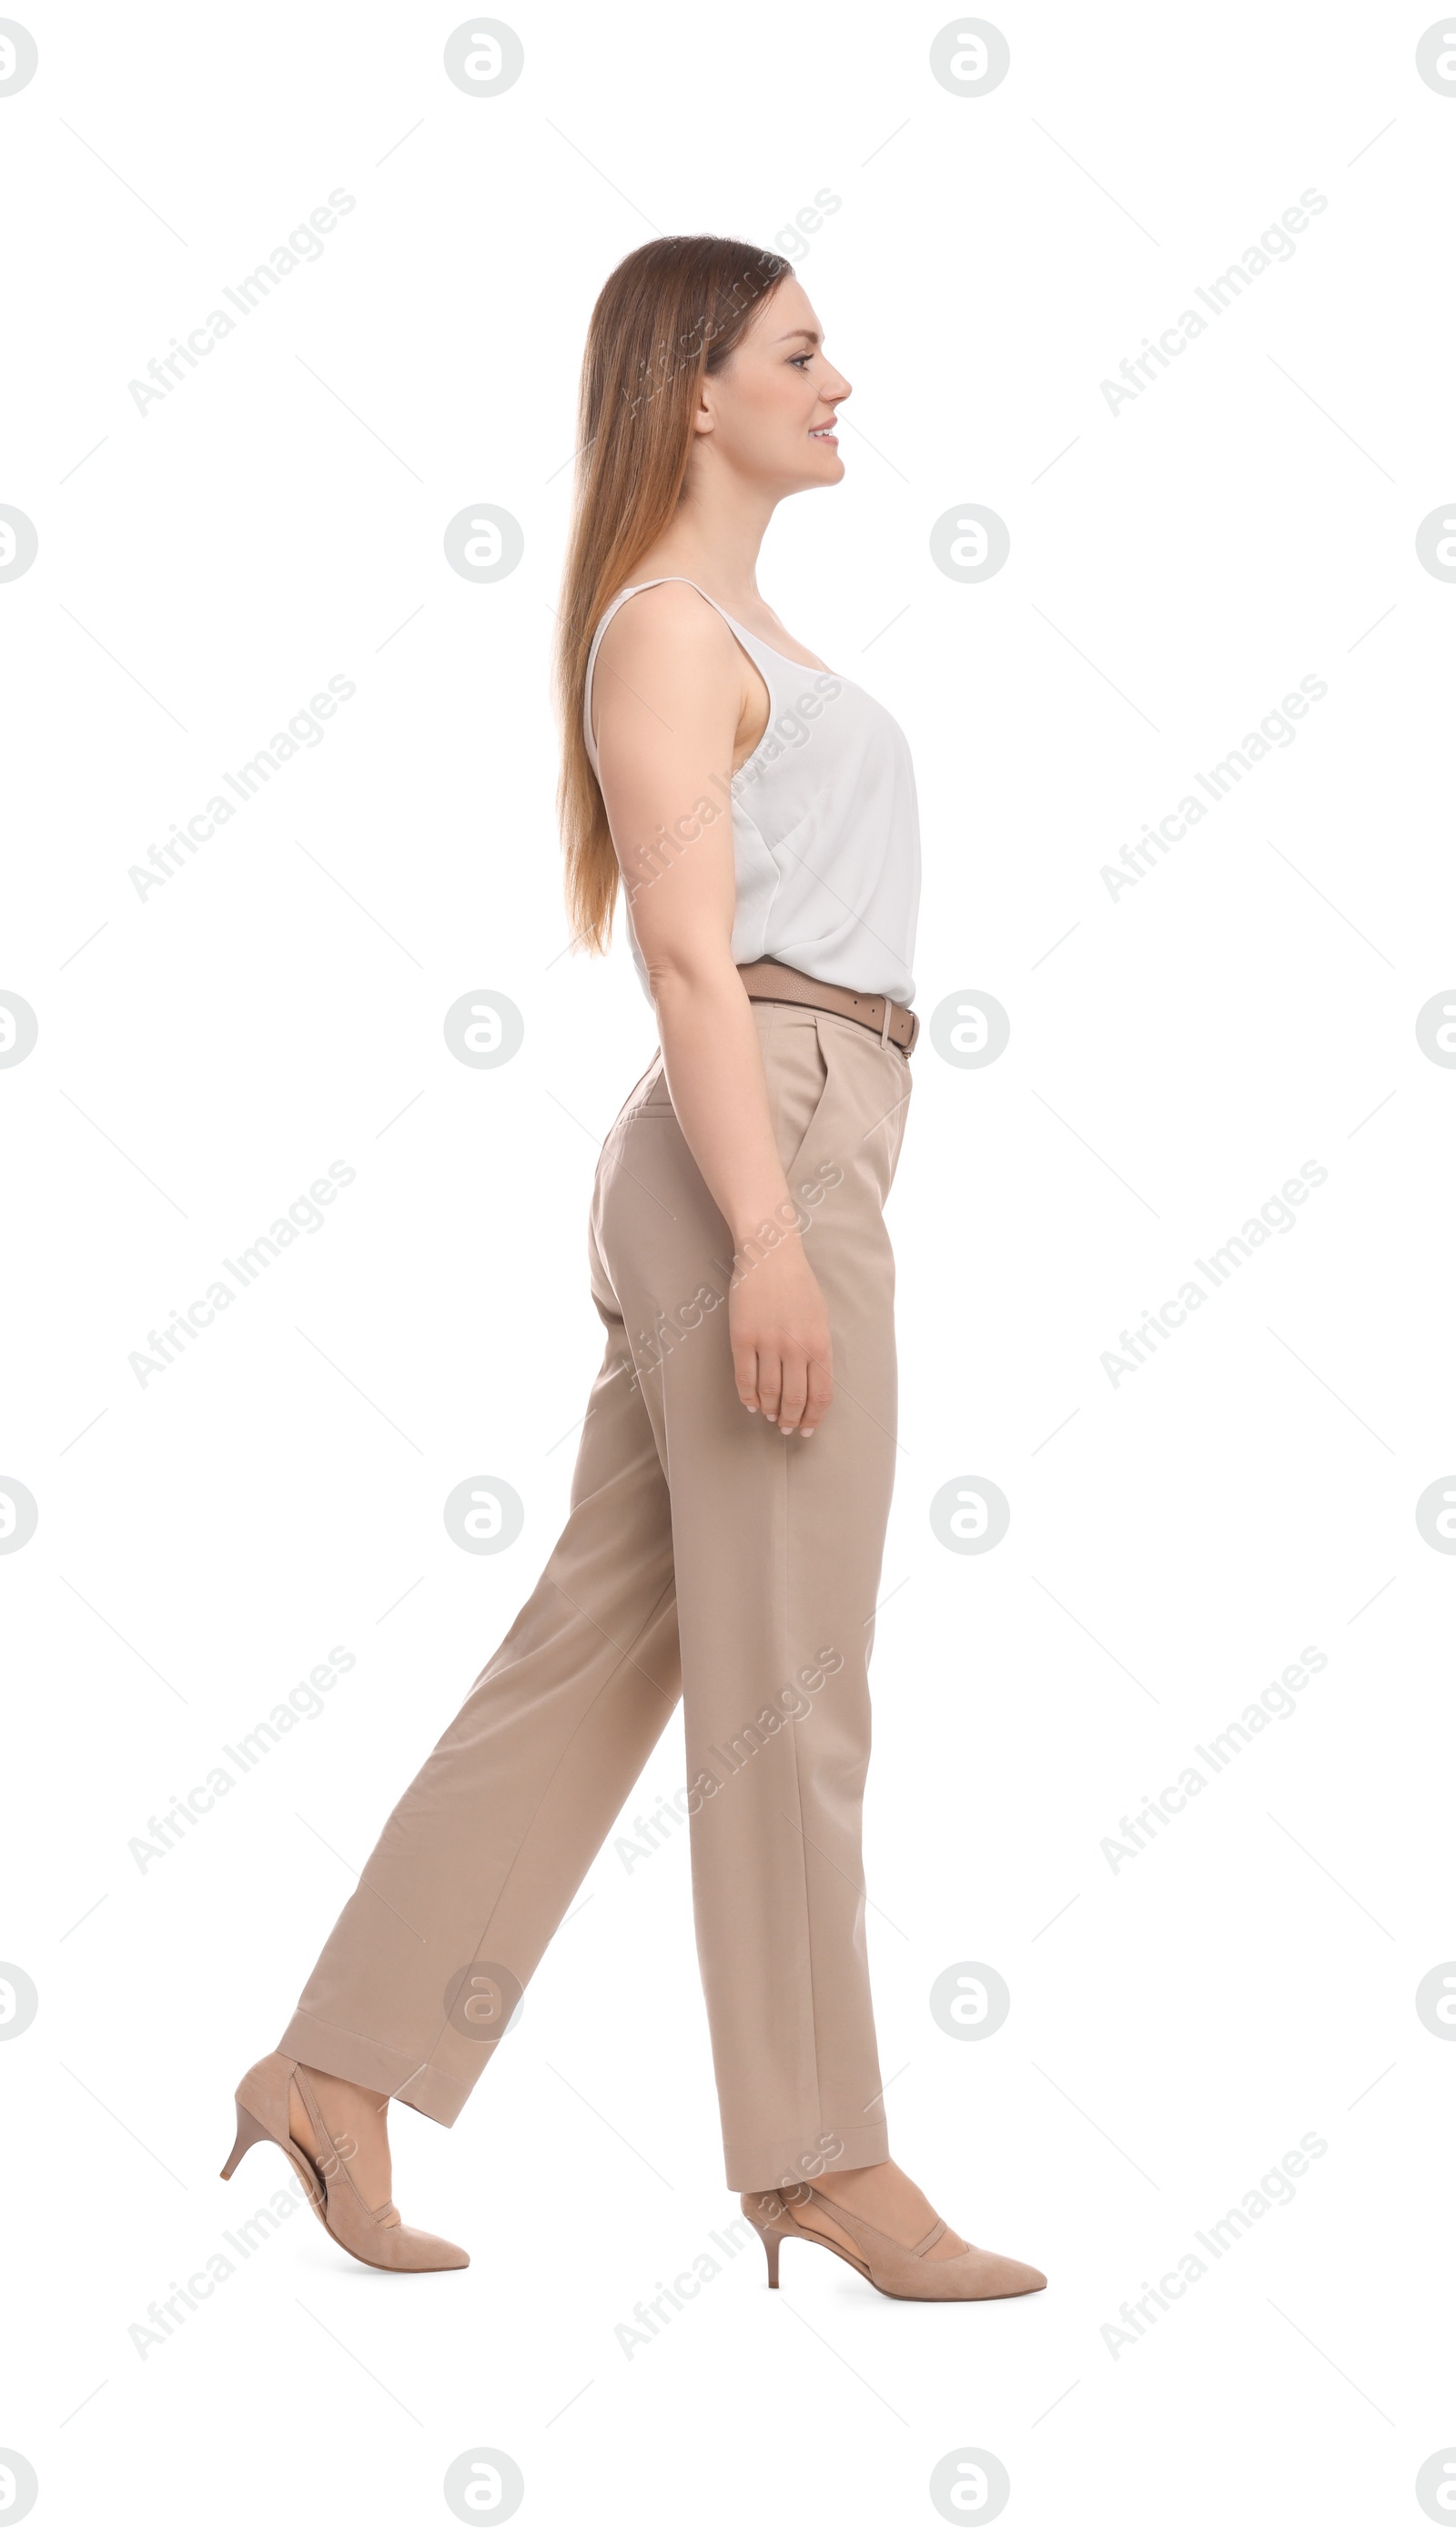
826, 834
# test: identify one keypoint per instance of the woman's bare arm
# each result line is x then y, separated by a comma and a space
671, 688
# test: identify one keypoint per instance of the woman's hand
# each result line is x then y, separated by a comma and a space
779, 1330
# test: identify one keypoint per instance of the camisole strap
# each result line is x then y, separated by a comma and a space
610, 613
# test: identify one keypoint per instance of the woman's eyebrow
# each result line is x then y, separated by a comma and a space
810, 336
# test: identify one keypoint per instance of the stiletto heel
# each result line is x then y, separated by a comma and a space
770, 2239
249, 2128
376, 2235
901, 2272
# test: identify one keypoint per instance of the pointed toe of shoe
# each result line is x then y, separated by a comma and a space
419, 2251
1011, 2279
981, 2275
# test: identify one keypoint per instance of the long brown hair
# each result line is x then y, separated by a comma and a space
669, 313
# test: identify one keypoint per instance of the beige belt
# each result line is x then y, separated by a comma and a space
767, 980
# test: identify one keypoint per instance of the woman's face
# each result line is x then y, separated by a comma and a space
769, 413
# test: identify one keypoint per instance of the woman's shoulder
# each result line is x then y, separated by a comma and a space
659, 619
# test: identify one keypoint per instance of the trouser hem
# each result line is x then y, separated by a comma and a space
365, 2064
768, 2165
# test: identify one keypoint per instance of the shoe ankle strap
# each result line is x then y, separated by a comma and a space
330, 2160
852, 2221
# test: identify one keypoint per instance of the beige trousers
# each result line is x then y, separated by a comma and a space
706, 1555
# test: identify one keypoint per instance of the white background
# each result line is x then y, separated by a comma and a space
1175, 569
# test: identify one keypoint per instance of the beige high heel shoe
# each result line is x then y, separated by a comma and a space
376, 2237
901, 2272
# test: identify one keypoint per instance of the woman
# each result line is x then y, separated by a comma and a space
732, 1485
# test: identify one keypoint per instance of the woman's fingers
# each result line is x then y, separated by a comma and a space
745, 1372
792, 1391
794, 1385
820, 1394
783, 1362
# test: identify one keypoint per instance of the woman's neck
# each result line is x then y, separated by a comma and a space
713, 539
